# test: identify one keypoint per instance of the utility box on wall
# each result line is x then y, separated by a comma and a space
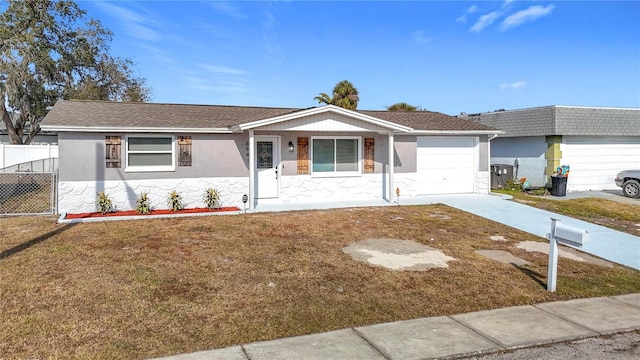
500, 175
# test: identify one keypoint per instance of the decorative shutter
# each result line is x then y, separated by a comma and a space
303, 155
369, 161
184, 150
112, 150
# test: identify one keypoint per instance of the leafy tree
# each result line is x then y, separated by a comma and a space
345, 95
402, 106
49, 51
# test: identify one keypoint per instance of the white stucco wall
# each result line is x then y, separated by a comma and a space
530, 152
80, 196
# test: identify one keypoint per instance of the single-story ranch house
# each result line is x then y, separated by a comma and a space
595, 142
273, 155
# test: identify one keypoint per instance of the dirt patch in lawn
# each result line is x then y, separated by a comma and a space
156, 287
397, 254
563, 251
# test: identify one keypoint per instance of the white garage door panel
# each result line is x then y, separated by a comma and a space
445, 165
595, 161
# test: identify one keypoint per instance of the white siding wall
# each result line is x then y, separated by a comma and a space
595, 161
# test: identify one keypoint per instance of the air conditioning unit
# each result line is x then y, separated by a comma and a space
501, 174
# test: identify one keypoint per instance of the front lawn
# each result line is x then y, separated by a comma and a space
150, 288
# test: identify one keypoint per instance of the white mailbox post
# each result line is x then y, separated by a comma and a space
565, 235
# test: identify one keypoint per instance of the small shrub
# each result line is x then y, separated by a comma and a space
103, 203
212, 199
175, 201
142, 204
513, 185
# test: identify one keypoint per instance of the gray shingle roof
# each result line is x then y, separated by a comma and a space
132, 115
149, 115
564, 120
427, 120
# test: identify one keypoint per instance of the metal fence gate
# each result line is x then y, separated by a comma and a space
29, 190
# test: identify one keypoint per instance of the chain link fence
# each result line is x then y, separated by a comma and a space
29, 188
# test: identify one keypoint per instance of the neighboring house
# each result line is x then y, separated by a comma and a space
596, 143
270, 154
42, 138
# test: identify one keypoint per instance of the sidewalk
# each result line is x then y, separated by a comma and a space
445, 336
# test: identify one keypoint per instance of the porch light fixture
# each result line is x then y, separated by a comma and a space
290, 146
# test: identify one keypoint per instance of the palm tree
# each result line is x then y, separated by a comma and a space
402, 106
345, 95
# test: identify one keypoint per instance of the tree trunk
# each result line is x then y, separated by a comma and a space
14, 132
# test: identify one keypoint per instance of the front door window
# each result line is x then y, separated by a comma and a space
265, 154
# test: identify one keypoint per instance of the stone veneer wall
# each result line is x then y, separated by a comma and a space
305, 188
483, 182
80, 196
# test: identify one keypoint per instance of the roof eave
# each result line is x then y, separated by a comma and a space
94, 129
456, 132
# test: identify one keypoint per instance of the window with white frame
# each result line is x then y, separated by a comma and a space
150, 153
335, 156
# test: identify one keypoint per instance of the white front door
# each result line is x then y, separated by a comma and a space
267, 166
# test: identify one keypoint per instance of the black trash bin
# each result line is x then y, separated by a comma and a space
559, 185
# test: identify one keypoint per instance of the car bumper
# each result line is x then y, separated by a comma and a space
619, 182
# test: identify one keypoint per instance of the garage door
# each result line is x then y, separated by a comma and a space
595, 161
445, 165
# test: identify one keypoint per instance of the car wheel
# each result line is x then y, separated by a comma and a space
631, 188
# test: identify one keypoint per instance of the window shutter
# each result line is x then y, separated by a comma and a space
112, 150
184, 147
303, 155
369, 161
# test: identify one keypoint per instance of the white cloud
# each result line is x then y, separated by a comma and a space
228, 9
525, 16
463, 18
513, 86
485, 20
137, 25
420, 37
224, 70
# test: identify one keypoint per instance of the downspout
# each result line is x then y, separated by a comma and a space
489, 157
252, 172
391, 167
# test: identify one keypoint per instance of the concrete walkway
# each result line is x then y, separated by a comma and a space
445, 336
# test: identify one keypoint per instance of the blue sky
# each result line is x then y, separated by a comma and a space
451, 57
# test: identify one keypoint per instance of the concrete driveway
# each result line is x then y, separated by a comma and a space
606, 243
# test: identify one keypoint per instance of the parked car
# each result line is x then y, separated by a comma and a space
629, 181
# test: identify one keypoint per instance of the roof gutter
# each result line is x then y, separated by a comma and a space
495, 133
101, 129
